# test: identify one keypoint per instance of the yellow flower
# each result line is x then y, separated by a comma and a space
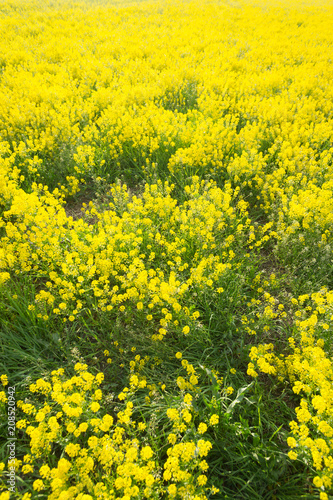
188, 399
27, 469
172, 489
38, 485
3, 397
204, 447
99, 378
44, 471
172, 438
146, 452
187, 416
292, 443
214, 419
71, 427
83, 427
172, 414
149, 479
95, 406
98, 395
318, 482
40, 416
186, 330
72, 449
167, 475
202, 480
203, 465
202, 428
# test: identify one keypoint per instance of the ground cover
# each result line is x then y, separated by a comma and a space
166, 300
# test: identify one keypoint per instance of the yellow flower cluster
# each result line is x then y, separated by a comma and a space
4, 382
144, 256
89, 91
225, 111
310, 370
103, 456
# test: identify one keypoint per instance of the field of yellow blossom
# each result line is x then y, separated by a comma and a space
166, 237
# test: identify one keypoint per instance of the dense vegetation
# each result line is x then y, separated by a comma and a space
166, 285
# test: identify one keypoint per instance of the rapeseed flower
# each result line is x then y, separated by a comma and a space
257, 142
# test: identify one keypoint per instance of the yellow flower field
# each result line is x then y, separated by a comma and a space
166, 279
